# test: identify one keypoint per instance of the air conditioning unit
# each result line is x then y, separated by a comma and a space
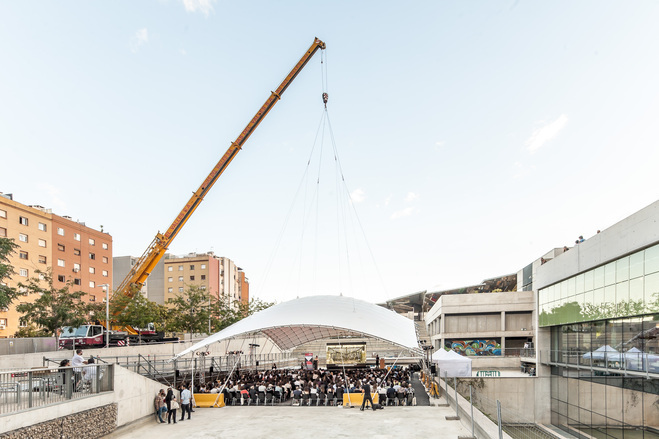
75, 270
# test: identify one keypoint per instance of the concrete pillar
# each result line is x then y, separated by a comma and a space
503, 321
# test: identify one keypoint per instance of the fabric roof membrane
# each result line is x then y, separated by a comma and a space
299, 321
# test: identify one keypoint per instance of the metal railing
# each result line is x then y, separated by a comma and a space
163, 369
30, 388
605, 362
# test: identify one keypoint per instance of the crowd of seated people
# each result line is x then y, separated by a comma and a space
312, 387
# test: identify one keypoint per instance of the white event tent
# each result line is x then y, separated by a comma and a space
299, 321
452, 364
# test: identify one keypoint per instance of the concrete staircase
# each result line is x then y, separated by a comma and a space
422, 334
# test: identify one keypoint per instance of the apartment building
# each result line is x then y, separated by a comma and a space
244, 286
71, 250
81, 255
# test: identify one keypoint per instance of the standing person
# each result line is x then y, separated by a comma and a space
186, 402
159, 403
168, 402
315, 363
62, 369
77, 362
366, 390
171, 413
377, 361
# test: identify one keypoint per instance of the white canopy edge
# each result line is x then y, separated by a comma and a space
299, 321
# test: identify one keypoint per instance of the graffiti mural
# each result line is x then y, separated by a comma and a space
475, 348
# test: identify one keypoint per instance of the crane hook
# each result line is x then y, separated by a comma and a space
325, 98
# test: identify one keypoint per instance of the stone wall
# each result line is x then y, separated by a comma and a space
94, 423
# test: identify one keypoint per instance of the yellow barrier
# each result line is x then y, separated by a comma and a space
358, 398
208, 400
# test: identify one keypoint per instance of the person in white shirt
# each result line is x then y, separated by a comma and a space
77, 362
186, 403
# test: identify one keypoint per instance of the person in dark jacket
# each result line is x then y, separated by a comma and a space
366, 390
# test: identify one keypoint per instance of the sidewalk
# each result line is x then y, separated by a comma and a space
317, 422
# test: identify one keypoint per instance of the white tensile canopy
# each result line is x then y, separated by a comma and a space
452, 364
299, 321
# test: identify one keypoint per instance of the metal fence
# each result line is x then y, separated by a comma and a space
29, 388
205, 367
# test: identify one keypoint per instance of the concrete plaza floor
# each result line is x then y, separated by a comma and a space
314, 422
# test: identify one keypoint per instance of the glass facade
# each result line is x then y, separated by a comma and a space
626, 287
604, 352
603, 380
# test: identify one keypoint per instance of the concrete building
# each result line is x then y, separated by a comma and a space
485, 324
75, 253
154, 287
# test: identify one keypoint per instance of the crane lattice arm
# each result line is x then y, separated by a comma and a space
156, 250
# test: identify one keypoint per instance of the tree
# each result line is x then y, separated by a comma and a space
55, 307
7, 294
136, 311
191, 310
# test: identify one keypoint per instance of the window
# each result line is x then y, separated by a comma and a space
3, 232
191, 267
22, 220
42, 277
203, 277
22, 323
22, 255
77, 282
170, 268
105, 259
3, 213
191, 277
60, 263
92, 242
61, 247
105, 273
76, 236
203, 266
3, 322
180, 268
42, 227
92, 256
92, 284
180, 289
203, 287
76, 251
42, 259
170, 289
23, 272
60, 278
22, 237
60, 231
76, 267
42, 243
170, 279
92, 270
180, 278
105, 246
92, 298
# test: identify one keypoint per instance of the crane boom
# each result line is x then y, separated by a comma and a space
156, 250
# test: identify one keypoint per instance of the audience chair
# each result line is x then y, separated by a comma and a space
401, 398
261, 398
313, 399
297, 400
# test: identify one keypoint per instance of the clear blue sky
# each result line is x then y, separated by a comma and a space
474, 136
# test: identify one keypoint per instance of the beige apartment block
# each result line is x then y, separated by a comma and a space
47, 241
217, 275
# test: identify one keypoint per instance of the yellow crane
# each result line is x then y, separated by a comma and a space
140, 271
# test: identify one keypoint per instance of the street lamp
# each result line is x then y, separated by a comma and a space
106, 287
